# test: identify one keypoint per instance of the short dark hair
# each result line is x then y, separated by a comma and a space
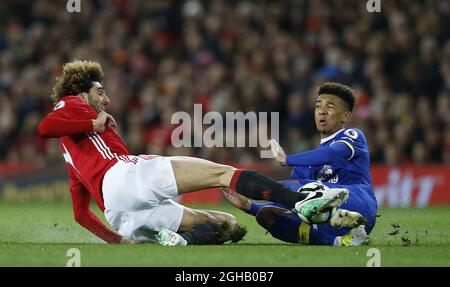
77, 77
339, 90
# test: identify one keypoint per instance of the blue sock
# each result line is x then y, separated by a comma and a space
255, 207
320, 238
293, 229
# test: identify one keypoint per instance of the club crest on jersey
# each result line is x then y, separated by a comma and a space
351, 133
59, 105
326, 173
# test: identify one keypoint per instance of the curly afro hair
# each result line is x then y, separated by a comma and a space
77, 77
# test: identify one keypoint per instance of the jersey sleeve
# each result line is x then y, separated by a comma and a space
84, 215
301, 172
354, 140
66, 120
318, 156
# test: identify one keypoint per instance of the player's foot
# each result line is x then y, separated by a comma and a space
317, 201
313, 186
341, 218
356, 237
167, 237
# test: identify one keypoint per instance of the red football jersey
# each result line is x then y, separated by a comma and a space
88, 156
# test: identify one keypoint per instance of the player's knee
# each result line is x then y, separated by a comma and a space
267, 216
223, 173
201, 217
192, 218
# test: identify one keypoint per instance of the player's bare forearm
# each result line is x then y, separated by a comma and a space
237, 200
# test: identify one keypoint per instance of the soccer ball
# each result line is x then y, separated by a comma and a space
321, 217
324, 215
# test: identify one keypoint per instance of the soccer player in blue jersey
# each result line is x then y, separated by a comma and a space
341, 161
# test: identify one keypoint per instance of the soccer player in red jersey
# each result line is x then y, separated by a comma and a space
135, 192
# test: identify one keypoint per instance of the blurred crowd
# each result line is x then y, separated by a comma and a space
160, 57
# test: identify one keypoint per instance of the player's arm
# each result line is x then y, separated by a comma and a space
245, 204
58, 124
322, 155
84, 215
301, 172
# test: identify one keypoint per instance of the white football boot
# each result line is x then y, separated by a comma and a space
356, 237
167, 237
318, 201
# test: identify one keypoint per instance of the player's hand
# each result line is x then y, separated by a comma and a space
102, 121
99, 123
278, 152
128, 241
237, 200
110, 121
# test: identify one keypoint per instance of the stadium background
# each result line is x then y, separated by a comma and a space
160, 57
163, 56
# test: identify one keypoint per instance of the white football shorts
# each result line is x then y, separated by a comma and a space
137, 197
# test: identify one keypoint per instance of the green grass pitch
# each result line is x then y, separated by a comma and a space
39, 234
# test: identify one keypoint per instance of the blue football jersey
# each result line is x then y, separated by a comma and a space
352, 170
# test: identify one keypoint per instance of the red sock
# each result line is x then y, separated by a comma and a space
234, 179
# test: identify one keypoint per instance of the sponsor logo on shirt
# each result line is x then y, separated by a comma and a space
326, 173
351, 133
60, 104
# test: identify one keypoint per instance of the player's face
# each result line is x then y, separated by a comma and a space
330, 114
97, 97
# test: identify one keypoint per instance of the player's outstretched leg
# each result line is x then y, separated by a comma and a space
285, 225
206, 233
192, 174
203, 234
199, 227
281, 223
